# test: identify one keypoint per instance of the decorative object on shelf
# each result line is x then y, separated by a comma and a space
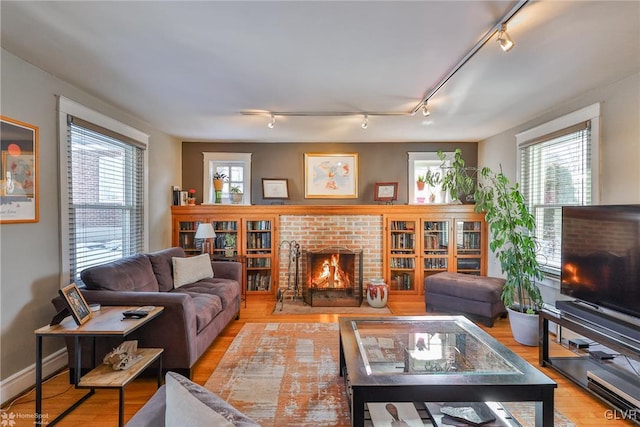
123, 356
229, 244
458, 180
191, 200
377, 293
385, 192
218, 184
275, 188
236, 194
420, 182
330, 176
513, 242
205, 231
19, 173
76, 303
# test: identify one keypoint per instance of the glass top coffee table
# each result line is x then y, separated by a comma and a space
434, 359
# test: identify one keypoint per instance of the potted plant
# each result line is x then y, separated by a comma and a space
420, 182
191, 200
458, 180
229, 244
433, 178
513, 242
236, 194
218, 183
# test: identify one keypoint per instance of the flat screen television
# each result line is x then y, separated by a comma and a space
600, 257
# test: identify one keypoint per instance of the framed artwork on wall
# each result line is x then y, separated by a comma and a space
19, 172
385, 191
330, 176
275, 188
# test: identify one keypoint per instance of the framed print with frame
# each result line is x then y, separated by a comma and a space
18, 171
385, 191
77, 304
275, 188
331, 176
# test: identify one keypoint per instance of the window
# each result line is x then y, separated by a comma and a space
556, 169
103, 200
419, 164
235, 166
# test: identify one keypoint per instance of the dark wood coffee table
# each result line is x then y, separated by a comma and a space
434, 359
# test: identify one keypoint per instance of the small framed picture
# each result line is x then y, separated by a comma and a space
76, 303
275, 188
385, 191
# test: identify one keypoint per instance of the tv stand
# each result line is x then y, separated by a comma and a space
615, 386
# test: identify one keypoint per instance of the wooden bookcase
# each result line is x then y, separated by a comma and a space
255, 236
416, 247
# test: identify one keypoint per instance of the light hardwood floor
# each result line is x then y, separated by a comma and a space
102, 408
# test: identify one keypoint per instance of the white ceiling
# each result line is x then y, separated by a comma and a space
190, 68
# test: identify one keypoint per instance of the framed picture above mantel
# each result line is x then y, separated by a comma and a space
331, 175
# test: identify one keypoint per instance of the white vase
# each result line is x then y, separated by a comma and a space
377, 295
524, 327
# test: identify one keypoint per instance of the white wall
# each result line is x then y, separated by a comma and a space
619, 147
30, 253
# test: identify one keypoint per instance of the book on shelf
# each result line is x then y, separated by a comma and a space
406, 412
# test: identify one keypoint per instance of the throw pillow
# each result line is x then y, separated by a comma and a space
189, 404
192, 269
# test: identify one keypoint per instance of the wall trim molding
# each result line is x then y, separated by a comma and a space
21, 381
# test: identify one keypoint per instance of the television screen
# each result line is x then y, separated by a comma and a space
601, 256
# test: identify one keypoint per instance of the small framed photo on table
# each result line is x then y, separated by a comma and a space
77, 304
385, 191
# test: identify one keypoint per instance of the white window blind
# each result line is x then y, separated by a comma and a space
105, 178
555, 170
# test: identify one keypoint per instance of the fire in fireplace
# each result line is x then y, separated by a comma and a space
333, 278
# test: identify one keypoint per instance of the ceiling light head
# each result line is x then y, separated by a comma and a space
272, 122
365, 122
505, 42
425, 110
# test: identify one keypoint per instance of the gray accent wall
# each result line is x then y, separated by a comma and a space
30, 255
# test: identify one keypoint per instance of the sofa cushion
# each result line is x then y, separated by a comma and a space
190, 270
133, 273
226, 289
162, 264
190, 404
207, 307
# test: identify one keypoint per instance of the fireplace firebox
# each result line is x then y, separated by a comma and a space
333, 278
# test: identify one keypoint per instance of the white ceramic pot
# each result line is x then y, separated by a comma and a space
524, 327
377, 295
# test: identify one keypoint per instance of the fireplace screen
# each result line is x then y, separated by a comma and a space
333, 278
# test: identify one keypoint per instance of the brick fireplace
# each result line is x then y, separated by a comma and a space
333, 278
315, 233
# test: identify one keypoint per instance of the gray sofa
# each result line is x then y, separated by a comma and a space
194, 314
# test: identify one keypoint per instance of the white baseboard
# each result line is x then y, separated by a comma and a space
25, 379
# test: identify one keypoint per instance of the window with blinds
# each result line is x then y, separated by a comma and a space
105, 178
555, 170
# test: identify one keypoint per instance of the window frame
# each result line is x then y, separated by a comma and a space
209, 160
590, 113
419, 156
68, 107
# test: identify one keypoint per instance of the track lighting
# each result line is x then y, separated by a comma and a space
272, 122
505, 42
365, 122
425, 110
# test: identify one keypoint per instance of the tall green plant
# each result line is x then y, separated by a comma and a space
512, 239
456, 179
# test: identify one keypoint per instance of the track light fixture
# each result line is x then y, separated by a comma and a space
365, 122
272, 122
505, 42
425, 110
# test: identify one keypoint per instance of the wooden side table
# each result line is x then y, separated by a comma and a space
107, 322
242, 259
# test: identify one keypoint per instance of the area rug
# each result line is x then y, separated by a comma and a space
299, 307
286, 374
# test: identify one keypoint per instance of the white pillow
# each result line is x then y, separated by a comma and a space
191, 269
187, 405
